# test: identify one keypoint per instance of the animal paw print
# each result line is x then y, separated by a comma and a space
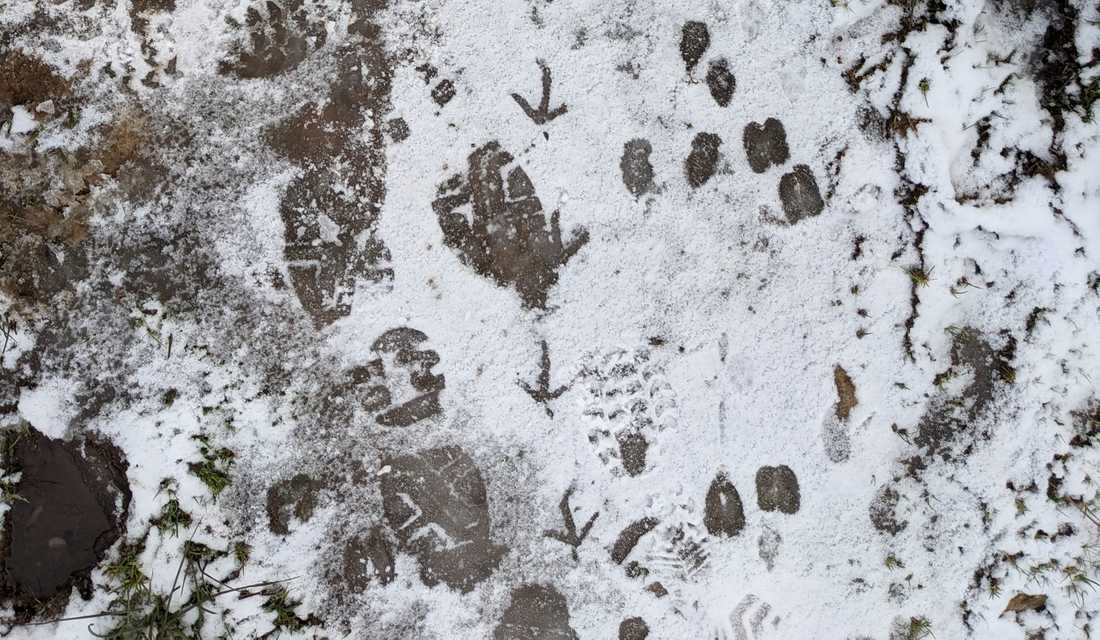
702, 161
506, 236
629, 401
776, 490
766, 145
280, 37
636, 168
694, 42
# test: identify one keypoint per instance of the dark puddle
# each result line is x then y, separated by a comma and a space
72, 504
506, 237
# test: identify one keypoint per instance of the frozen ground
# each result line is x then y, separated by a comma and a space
550, 319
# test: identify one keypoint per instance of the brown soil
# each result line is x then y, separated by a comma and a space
25, 80
845, 391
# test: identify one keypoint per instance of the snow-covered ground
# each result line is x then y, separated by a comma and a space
551, 318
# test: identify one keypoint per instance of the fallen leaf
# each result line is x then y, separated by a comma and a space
1025, 602
845, 391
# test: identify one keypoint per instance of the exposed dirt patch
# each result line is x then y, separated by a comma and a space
436, 504
26, 80
845, 392
633, 629
537, 612
506, 236
73, 499
702, 162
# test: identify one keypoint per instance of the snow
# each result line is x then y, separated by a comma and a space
742, 314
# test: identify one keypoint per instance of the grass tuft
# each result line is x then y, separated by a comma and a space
919, 629
919, 276
214, 468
